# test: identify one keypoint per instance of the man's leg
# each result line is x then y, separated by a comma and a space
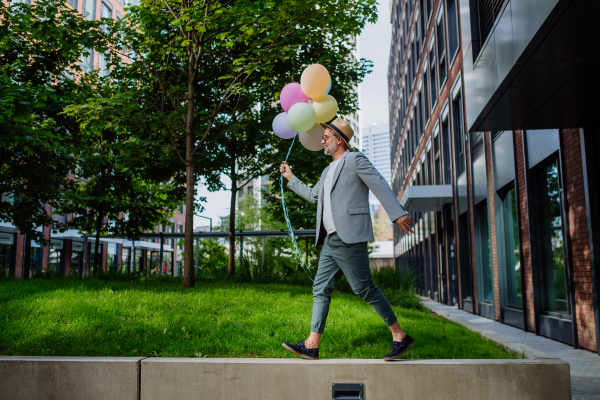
353, 259
328, 273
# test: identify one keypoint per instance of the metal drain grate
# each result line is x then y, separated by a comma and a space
347, 391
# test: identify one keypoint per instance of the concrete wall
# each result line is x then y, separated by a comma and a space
69, 378
282, 379
291, 379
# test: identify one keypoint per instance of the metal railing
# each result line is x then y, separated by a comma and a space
161, 236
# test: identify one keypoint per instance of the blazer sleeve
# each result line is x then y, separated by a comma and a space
303, 190
379, 186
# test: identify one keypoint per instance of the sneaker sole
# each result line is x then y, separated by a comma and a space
298, 354
398, 355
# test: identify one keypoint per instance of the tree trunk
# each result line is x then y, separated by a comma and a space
97, 244
233, 175
189, 281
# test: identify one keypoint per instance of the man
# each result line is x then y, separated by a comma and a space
344, 228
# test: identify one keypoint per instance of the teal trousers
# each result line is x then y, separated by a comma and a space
352, 260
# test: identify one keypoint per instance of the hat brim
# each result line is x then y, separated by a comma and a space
327, 126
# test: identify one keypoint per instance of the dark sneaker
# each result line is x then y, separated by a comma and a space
399, 348
301, 350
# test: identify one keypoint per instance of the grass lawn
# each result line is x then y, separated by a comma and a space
148, 319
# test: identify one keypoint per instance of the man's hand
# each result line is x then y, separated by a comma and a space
404, 224
286, 171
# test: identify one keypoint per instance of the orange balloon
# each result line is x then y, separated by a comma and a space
314, 80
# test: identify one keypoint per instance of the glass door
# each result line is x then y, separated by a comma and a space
514, 290
554, 317
466, 271
553, 266
485, 283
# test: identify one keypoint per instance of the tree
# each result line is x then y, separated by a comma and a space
192, 58
251, 150
40, 49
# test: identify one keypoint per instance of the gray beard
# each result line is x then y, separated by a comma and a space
329, 150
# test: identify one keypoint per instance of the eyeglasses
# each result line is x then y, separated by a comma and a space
326, 138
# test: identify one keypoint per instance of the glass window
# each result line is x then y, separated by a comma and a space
87, 61
433, 76
459, 135
105, 11
441, 42
465, 255
126, 260
420, 112
5, 258
92, 248
552, 242
429, 169
513, 257
103, 67
138, 261
167, 267
112, 260
482, 243
55, 262
35, 259
89, 9
452, 8
438, 160
446, 150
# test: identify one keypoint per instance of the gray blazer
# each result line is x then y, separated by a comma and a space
352, 180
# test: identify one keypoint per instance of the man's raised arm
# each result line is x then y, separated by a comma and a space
300, 188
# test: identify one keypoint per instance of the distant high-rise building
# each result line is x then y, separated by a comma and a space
376, 146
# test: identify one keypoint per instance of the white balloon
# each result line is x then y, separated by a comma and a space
311, 139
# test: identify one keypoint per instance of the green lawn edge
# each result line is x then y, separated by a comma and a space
62, 317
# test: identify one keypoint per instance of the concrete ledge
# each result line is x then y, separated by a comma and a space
69, 378
291, 379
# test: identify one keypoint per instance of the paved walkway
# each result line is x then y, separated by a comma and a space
585, 365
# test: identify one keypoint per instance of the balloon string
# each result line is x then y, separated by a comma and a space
287, 218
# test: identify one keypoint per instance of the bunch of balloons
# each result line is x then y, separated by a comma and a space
306, 105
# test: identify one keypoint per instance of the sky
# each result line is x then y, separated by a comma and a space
374, 45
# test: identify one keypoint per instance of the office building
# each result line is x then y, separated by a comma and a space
494, 132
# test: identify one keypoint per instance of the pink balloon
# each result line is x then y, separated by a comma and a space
291, 94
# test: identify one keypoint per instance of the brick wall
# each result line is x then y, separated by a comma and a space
492, 214
524, 231
579, 241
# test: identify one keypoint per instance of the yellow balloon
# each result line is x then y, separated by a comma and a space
314, 80
325, 107
311, 139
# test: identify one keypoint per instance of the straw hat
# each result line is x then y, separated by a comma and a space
341, 128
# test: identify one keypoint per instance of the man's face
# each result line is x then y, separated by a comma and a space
329, 142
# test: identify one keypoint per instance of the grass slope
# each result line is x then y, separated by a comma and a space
99, 318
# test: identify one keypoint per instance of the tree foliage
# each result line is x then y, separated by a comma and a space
194, 62
40, 49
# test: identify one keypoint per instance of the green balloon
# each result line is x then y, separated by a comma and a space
301, 117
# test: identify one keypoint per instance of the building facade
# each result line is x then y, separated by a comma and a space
492, 126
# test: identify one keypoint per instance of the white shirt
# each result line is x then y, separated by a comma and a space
327, 215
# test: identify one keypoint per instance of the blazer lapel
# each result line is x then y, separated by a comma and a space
338, 169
